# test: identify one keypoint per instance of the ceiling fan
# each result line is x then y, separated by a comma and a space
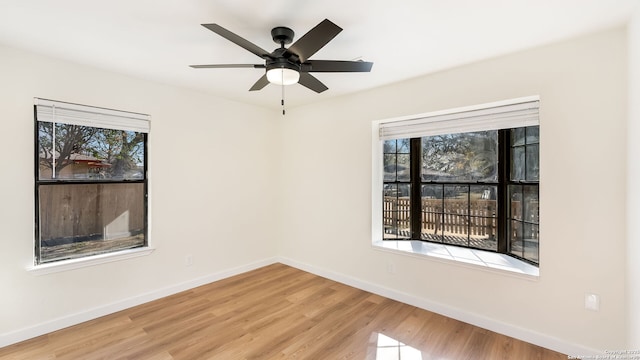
286, 66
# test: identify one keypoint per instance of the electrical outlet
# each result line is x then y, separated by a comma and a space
188, 260
592, 302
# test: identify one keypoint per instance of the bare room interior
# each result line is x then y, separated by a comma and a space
243, 214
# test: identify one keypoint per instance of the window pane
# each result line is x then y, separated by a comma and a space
456, 221
404, 167
389, 210
517, 163
74, 152
396, 211
482, 233
78, 220
461, 157
456, 199
515, 238
483, 192
433, 191
389, 146
518, 136
533, 163
404, 146
531, 251
432, 212
530, 204
483, 210
456, 230
390, 190
404, 192
389, 167
533, 134
432, 226
404, 211
515, 194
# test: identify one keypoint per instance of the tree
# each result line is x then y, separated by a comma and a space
69, 140
128, 152
464, 156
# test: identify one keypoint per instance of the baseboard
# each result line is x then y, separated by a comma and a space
77, 318
484, 322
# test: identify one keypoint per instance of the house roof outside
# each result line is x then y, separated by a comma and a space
82, 158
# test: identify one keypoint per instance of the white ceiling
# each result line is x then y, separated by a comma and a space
157, 40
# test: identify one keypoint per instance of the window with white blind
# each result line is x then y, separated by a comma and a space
466, 177
90, 181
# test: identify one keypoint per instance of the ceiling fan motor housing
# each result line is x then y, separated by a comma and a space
280, 63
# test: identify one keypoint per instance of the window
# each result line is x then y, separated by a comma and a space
467, 178
90, 181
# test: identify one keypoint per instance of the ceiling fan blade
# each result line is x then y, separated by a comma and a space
246, 44
261, 83
336, 66
309, 81
314, 40
228, 66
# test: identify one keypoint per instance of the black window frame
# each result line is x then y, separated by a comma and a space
504, 184
38, 183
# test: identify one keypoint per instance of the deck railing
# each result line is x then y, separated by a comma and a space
476, 218
457, 217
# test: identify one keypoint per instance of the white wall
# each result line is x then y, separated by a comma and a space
205, 200
633, 179
582, 85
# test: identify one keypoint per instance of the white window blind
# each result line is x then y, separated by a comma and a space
494, 116
74, 114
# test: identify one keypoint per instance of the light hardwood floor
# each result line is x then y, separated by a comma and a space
276, 312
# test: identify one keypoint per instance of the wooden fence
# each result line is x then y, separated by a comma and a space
477, 218
459, 218
83, 211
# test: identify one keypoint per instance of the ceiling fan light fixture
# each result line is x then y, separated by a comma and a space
283, 76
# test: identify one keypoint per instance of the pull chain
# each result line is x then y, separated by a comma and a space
282, 101
282, 77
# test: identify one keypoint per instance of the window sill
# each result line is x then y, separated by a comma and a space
64, 265
486, 260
